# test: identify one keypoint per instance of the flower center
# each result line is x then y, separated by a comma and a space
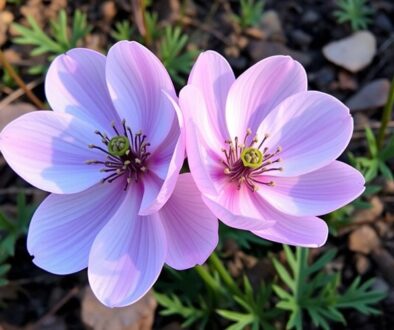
126, 154
247, 163
252, 157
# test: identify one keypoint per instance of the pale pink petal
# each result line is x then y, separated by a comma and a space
213, 76
166, 163
63, 228
194, 109
192, 230
238, 208
315, 193
136, 78
75, 83
128, 254
298, 231
49, 149
259, 90
312, 128
203, 146
205, 164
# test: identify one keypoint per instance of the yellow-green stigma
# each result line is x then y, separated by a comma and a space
252, 157
118, 145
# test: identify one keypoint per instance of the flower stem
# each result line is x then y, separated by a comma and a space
208, 279
226, 277
386, 117
10, 70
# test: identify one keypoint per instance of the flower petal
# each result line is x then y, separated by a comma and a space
64, 227
315, 193
75, 84
128, 254
260, 89
213, 76
166, 163
192, 230
202, 145
49, 151
136, 78
298, 231
238, 208
312, 128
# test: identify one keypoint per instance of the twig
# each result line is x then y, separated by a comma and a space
18, 93
10, 70
38, 325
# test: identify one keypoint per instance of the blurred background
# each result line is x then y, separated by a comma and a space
347, 48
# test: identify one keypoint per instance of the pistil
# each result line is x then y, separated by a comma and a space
245, 164
126, 154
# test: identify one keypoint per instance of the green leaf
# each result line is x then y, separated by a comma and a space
385, 170
322, 261
388, 150
372, 143
5, 268
284, 274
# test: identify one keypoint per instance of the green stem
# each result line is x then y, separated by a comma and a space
299, 276
226, 277
208, 279
386, 117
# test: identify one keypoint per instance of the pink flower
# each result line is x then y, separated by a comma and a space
110, 154
262, 148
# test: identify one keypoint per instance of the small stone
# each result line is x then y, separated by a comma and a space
388, 187
379, 284
310, 17
373, 95
347, 81
363, 240
323, 78
108, 10
137, 316
383, 23
301, 38
271, 24
385, 262
6, 18
369, 214
362, 264
353, 53
262, 49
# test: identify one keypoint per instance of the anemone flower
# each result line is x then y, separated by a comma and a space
110, 154
262, 148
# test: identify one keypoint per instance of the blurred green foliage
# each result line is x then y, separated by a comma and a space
355, 12
123, 31
172, 51
250, 13
11, 229
61, 36
308, 289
